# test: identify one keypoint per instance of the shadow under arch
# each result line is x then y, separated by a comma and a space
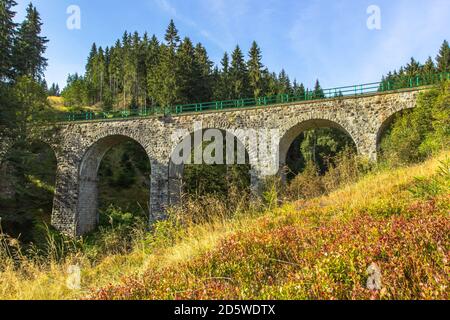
293, 132
27, 186
87, 205
386, 124
238, 153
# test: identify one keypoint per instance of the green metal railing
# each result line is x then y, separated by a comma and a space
354, 90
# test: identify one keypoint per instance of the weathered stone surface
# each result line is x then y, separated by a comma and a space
80, 146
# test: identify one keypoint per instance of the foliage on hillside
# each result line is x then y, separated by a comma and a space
321, 248
318, 248
421, 132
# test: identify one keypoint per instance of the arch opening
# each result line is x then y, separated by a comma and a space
228, 172
385, 130
27, 188
114, 177
316, 141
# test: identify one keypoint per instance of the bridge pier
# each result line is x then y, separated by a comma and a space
159, 190
65, 200
368, 146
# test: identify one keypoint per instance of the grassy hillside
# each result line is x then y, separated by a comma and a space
312, 249
58, 104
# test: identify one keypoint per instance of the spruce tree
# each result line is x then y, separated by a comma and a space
30, 46
7, 33
255, 68
172, 38
224, 89
165, 84
203, 85
188, 71
429, 66
54, 90
413, 68
152, 61
284, 83
318, 91
443, 58
301, 90
238, 75
91, 61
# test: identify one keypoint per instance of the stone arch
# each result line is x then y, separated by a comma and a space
176, 171
295, 130
87, 203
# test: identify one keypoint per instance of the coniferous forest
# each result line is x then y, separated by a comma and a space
144, 71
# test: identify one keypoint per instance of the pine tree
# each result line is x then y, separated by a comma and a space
90, 61
129, 71
428, 70
270, 83
30, 46
165, 84
223, 90
443, 58
203, 85
413, 68
318, 91
238, 74
429, 67
188, 71
7, 33
255, 68
298, 90
54, 90
152, 61
115, 69
284, 84
172, 38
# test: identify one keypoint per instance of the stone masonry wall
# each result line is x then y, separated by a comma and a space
81, 146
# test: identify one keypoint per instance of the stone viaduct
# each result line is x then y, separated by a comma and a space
80, 146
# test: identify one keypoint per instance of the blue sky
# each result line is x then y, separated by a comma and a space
325, 39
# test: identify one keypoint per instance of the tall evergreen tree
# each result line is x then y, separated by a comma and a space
203, 85
255, 68
284, 83
54, 90
429, 67
188, 71
318, 91
443, 58
30, 46
172, 38
91, 61
223, 90
413, 68
238, 74
152, 61
7, 33
165, 85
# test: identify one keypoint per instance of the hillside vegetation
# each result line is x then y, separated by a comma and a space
308, 249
